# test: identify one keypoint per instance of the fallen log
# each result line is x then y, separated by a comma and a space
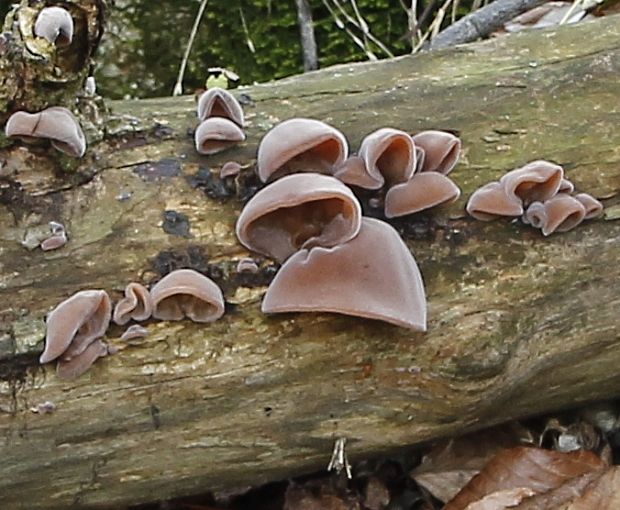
518, 323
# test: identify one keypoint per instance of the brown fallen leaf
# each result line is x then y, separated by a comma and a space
525, 467
501, 500
603, 494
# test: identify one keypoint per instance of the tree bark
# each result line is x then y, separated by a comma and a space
519, 324
306, 35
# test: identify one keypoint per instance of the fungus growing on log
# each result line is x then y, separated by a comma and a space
299, 211
75, 366
373, 275
134, 332
230, 169
593, 207
57, 124
135, 305
216, 134
491, 201
535, 182
218, 102
76, 323
562, 213
441, 151
300, 145
56, 25
187, 293
423, 191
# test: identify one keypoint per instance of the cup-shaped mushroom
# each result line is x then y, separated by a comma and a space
374, 275
422, 191
389, 155
491, 201
441, 151
593, 207
217, 102
299, 211
535, 215
300, 145
57, 124
135, 305
562, 213
54, 24
75, 323
566, 186
535, 182
217, 134
353, 172
79, 364
187, 293
133, 332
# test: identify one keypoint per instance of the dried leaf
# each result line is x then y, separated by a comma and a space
501, 500
603, 494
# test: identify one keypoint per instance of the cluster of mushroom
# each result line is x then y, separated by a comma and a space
539, 194
221, 121
333, 259
76, 326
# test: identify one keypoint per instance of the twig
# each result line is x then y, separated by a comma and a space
178, 86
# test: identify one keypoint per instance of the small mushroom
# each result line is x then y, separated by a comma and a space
218, 102
187, 293
423, 191
300, 145
134, 332
491, 201
217, 134
593, 207
566, 186
535, 215
135, 305
75, 323
230, 169
56, 124
299, 211
535, 182
441, 151
54, 242
562, 213
56, 25
80, 363
373, 275
247, 265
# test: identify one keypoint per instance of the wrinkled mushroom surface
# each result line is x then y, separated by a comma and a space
593, 207
491, 201
187, 293
54, 24
217, 102
354, 173
535, 182
135, 305
562, 213
441, 151
373, 275
216, 134
424, 190
75, 323
79, 364
299, 211
300, 145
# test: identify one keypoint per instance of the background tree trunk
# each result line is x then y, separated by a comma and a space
306, 34
519, 324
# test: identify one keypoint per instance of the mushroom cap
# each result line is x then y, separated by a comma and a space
535, 182
354, 173
374, 275
389, 155
491, 201
79, 364
535, 215
230, 169
54, 24
133, 332
441, 150
566, 186
56, 124
75, 323
562, 213
187, 293
300, 145
299, 211
593, 207
216, 134
218, 102
135, 305
422, 191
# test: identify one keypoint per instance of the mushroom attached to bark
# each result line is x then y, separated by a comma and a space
187, 293
491, 201
300, 145
135, 305
389, 156
566, 186
535, 215
217, 134
373, 275
79, 364
562, 213
535, 182
218, 102
299, 211
593, 207
56, 124
441, 151
54, 24
423, 191
76, 323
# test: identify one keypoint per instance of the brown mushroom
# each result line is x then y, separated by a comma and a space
187, 293
77, 365
300, 145
217, 134
353, 172
373, 275
54, 24
535, 182
218, 102
75, 323
133, 332
491, 201
135, 305
423, 191
593, 207
230, 169
566, 186
562, 213
57, 124
441, 151
299, 211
